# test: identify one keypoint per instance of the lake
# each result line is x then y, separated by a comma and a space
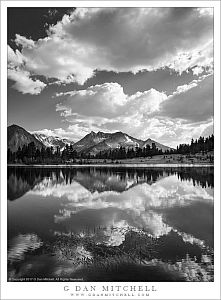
110, 224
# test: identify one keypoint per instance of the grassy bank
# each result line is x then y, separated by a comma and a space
158, 160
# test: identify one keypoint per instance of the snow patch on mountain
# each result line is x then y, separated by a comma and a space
52, 141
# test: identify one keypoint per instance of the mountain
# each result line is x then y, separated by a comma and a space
92, 143
90, 140
52, 141
18, 137
95, 142
115, 140
158, 145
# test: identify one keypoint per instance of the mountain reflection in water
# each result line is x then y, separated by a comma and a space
111, 224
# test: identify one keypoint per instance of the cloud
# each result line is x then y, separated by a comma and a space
121, 39
195, 104
173, 132
106, 107
72, 132
109, 101
45, 131
15, 59
205, 10
209, 130
23, 82
152, 37
172, 119
104, 100
24, 42
197, 70
18, 73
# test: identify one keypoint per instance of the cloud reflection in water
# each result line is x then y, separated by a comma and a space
101, 208
140, 206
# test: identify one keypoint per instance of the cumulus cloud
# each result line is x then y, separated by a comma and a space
18, 73
73, 132
107, 108
45, 131
195, 104
121, 39
169, 119
172, 132
23, 41
23, 82
104, 100
138, 38
15, 59
108, 100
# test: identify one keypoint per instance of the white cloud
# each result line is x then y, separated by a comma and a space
174, 132
183, 88
107, 108
200, 58
209, 130
109, 101
23, 82
45, 131
121, 39
150, 114
104, 100
197, 70
195, 104
73, 132
15, 59
17, 72
24, 42
206, 10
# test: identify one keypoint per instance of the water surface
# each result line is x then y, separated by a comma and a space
110, 224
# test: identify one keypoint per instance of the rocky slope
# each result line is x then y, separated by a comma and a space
18, 137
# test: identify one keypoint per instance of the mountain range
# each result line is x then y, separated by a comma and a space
52, 141
92, 143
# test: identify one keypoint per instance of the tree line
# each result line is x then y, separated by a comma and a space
27, 178
202, 145
31, 154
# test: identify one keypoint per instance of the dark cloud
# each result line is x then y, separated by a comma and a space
120, 40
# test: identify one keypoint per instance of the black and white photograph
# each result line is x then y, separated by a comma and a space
110, 148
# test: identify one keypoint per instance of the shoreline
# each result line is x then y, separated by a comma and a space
124, 165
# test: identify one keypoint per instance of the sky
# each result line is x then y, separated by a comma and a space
147, 72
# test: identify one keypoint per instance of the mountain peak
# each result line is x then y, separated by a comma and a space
14, 126
18, 137
117, 133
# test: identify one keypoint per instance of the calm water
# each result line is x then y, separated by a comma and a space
110, 224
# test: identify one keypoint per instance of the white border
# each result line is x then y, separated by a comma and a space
53, 290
